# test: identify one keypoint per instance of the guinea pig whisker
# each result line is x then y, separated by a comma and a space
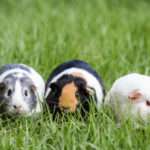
65, 108
51, 107
52, 102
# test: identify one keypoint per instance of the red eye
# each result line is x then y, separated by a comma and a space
148, 103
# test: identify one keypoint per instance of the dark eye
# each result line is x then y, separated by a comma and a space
9, 92
25, 93
77, 94
148, 103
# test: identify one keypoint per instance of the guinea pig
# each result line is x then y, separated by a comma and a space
72, 84
132, 94
21, 90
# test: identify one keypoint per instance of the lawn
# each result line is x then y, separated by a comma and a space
113, 36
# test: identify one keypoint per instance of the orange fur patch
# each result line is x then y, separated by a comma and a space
68, 98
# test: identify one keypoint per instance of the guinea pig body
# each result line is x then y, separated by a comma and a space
21, 90
73, 83
131, 93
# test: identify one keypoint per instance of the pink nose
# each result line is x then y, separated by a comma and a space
17, 106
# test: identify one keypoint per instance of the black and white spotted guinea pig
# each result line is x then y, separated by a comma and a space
21, 90
72, 84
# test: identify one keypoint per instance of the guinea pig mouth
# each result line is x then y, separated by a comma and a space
14, 114
17, 112
66, 110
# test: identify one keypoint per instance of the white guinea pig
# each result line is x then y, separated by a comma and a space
131, 91
21, 90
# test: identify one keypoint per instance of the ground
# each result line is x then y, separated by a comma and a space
113, 36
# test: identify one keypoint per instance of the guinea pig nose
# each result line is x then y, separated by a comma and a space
17, 106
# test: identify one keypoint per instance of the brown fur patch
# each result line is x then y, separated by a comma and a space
68, 98
32, 88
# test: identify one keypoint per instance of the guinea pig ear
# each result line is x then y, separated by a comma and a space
89, 90
54, 86
32, 88
2, 86
134, 95
81, 84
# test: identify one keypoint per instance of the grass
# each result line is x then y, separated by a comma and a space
113, 36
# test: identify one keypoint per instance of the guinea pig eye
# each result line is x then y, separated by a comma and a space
77, 94
25, 93
148, 103
9, 92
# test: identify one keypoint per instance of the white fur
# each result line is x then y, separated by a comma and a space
124, 87
36, 78
17, 96
91, 81
17, 99
39, 82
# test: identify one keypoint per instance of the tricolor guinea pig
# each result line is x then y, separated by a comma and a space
132, 94
21, 90
72, 84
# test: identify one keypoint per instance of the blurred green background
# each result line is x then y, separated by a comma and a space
113, 36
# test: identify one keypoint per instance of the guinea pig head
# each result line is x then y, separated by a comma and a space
18, 96
68, 93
